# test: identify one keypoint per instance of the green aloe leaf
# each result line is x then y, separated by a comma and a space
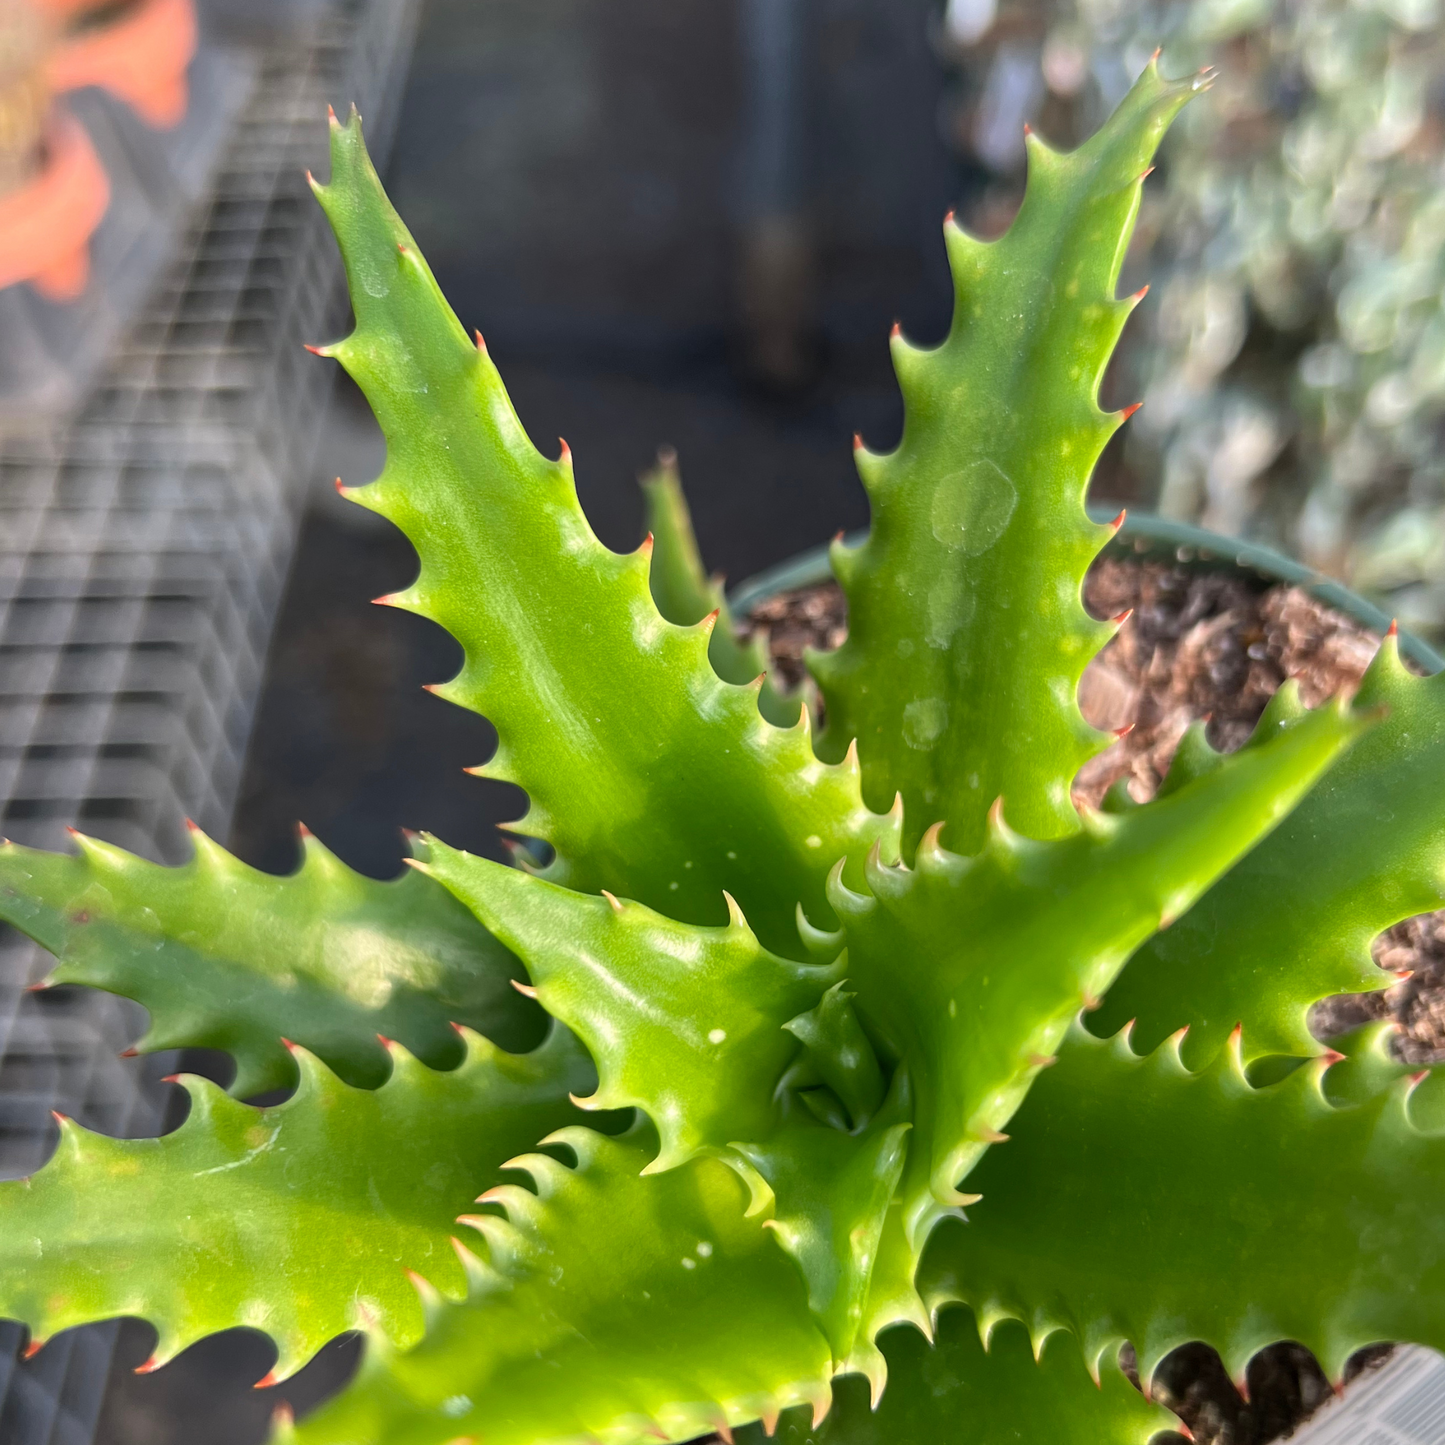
684, 1021
969, 970
685, 594
648, 774
226, 957
1328, 1219
1293, 923
301, 1220
615, 1306
967, 635
956, 1392
692, 1024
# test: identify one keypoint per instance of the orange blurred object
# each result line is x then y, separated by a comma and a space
141, 57
46, 225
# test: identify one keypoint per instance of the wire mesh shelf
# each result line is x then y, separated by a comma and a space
144, 542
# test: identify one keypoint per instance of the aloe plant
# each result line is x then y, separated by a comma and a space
857, 1144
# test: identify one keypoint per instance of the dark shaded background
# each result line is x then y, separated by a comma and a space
577, 173
595, 190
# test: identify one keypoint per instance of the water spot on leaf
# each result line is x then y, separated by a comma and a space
372, 277
973, 507
924, 722
951, 605
717, 1036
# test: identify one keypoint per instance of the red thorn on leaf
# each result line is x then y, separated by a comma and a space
1394, 629
36, 987
1417, 1079
1145, 174
385, 1042
612, 901
645, 550
171, 1079
857, 447
266, 1381
61, 1119
995, 812
303, 832
32, 1349
386, 600
948, 219
1120, 618
710, 621
148, 1367
289, 1045
1140, 294
1028, 129
564, 457
1119, 520
525, 989
130, 1053
1158, 51
1123, 732
459, 1028
1403, 973
314, 350
897, 332
402, 248
1130, 410
1042, 1061
481, 343
340, 487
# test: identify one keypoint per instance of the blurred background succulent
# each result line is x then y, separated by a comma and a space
1295, 341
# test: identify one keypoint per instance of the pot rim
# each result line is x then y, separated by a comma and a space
1143, 534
